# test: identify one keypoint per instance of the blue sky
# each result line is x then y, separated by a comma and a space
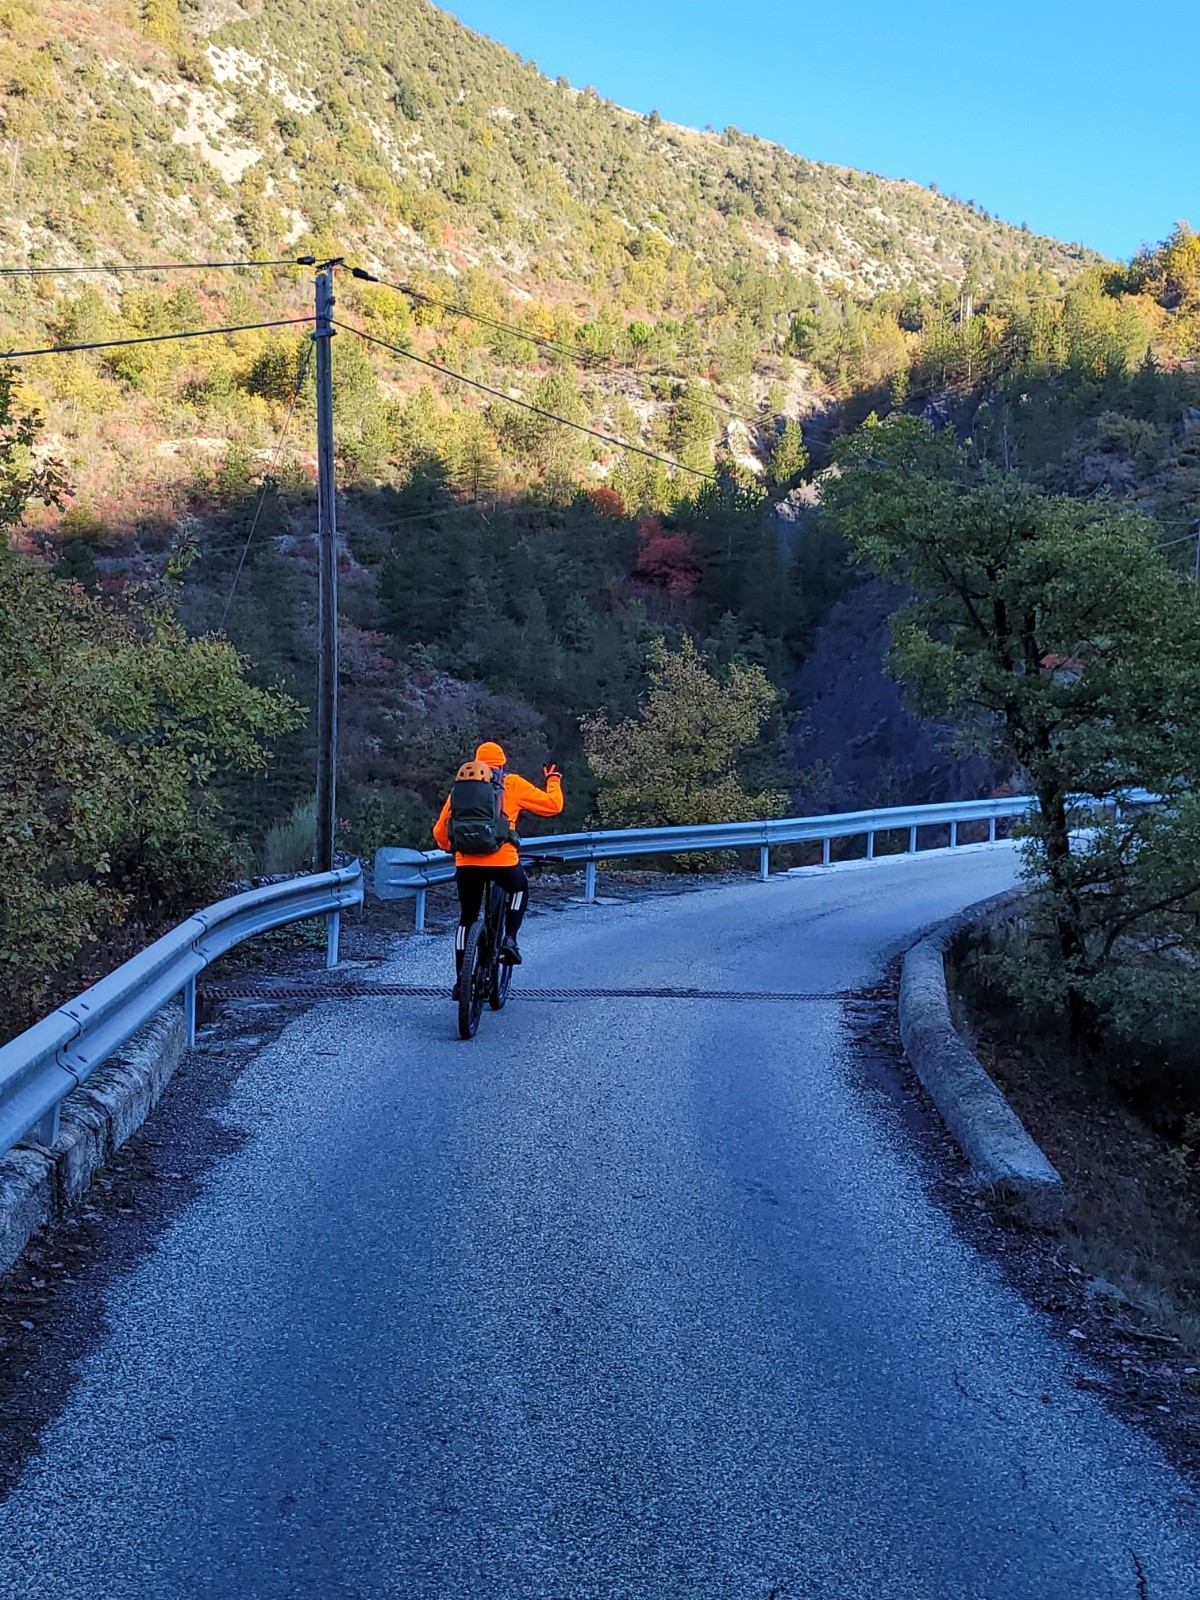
1076, 116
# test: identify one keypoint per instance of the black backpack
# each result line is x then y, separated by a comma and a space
478, 824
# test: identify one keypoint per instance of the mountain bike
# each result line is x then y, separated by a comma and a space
484, 977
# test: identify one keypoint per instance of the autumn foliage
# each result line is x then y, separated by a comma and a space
607, 501
665, 559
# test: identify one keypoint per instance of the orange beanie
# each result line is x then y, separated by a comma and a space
492, 754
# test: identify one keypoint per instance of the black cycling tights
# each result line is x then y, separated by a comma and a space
471, 883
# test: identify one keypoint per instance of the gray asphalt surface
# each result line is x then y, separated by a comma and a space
639, 1299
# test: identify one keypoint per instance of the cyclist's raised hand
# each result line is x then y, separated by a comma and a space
551, 772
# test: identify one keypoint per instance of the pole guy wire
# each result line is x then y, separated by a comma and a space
526, 405
151, 338
268, 476
1187, 538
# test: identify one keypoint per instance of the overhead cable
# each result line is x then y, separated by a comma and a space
526, 405
585, 357
268, 477
154, 266
152, 338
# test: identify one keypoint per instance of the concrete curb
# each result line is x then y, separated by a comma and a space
1003, 1156
38, 1183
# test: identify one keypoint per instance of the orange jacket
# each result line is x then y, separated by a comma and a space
519, 795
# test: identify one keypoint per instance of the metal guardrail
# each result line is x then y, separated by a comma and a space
40, 1067
402, 874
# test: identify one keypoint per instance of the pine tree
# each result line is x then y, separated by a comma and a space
789, 459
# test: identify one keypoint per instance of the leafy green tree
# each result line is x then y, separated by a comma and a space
421, 429
25, 474
160, 18
1054, 628
77, 564
275, 370
678, 760
113, 726
693, 429
558, 452
365, 426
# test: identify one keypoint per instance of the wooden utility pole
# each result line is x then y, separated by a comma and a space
327, 671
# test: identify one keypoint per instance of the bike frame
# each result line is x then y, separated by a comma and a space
484, 976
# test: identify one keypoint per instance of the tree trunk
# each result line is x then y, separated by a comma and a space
1068, 910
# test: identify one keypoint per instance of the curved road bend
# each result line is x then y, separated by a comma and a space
641, 1299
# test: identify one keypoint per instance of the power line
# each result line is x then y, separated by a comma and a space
267, 478
158, 266
526, 405
150, 338
584, 357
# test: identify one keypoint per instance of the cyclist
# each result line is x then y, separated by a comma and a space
513, 794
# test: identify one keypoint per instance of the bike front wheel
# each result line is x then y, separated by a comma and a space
472, 984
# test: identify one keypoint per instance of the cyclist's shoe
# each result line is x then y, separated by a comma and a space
509, 953
454, 991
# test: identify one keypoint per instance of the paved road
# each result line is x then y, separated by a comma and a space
638, 1300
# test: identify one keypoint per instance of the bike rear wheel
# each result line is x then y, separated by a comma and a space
501, 971
501, 983
472, 984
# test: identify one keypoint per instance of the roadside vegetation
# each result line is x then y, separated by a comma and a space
1053, 632
114, 724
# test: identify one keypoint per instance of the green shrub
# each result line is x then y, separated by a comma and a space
386, 816
77, 563
290, 846
80, 524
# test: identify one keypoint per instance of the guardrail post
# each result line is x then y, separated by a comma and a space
870, 847
47, 1129
419, 917
333, 938
189, 1012
912, 840
825, 843
953, 834
589, 881
764, 862
991, 830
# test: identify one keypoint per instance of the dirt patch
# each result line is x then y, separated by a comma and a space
1133, 1202
1134, 1355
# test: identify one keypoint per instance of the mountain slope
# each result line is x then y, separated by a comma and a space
396, 131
